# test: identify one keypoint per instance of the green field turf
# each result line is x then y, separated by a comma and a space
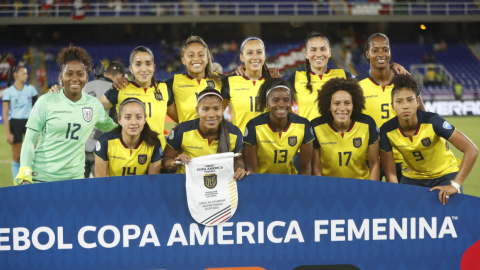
467, 124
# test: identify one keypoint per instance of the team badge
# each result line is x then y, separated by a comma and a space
171, 135
292, 141
378, 130
426, 141
87, 114
158, 96
98, 146
357, 142
211, 84
142, 159
210, 180
246, 132
311, 130
447, 125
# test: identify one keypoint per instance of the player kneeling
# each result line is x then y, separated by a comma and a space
209, 134
421, 138
273, 138
344, 135
130, 149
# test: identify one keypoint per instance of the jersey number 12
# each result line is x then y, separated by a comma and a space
73, 128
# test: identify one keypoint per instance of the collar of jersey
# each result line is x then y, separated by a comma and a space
374, 82
191, 78
330, 124
68, 100
248, 79
289, 122
138, 86
416, 131
326, 72
125, 145
197, 124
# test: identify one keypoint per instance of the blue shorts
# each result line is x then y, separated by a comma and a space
440, 181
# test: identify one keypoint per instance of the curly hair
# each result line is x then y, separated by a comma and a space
404, 81
269, 84
209, 73
369, 43
73, 53
349, 85
308, 67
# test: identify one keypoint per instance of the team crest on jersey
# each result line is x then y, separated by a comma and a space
210, 180
211, 84
357, 142
426, 141
87, 114
158, 96
142, 159
292, 141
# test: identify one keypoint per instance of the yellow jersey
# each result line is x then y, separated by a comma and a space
426, 155
275, 150
124, 161
344, 155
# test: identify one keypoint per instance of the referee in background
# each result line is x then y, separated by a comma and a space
97, 88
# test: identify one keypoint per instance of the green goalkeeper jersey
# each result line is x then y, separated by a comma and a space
65, 127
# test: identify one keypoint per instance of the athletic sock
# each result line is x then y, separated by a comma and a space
15, 168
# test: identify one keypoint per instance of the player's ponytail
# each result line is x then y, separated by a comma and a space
369, 41
308, 68
209, 73
223, 133
11, 75
265, 71
269, 85
149, 136
154, 82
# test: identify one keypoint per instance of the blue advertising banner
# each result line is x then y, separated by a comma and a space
282, 222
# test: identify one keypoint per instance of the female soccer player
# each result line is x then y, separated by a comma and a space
132, 148
65, 121
273, 138
421, 138
153, 93
344, 134
206, 135
19, 98
241, 91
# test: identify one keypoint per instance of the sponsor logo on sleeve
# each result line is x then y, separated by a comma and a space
98, 146
171, 135
246, 132
378, 130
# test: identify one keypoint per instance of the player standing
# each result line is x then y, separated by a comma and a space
344, 134
421, 138
273, 138
241, 91
64, 121
132, 148
206, 135
19, 98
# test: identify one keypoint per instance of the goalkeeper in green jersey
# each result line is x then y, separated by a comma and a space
64, 121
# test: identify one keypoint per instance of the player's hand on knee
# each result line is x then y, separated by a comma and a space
23, 177
445, 193
120, 83
55, 89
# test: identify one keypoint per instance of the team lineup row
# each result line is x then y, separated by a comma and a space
335, 132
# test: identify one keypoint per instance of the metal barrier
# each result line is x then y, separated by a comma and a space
238, 9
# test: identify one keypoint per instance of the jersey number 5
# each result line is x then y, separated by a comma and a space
385, 110
75, 128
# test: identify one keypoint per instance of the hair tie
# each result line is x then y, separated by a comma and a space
278, 86
207, 94
251, 38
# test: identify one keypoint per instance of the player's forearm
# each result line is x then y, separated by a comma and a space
168, 163
154, 168
108, 123
28, 148
388, 164
374, 169
6, 108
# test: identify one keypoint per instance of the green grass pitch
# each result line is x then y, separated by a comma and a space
469, 125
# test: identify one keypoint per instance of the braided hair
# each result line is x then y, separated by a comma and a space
154, 81
308, 68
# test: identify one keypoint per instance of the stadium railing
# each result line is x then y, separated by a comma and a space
239, 9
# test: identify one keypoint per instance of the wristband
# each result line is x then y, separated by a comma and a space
456, 185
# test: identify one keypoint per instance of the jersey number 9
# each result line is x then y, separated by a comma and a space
418, 155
